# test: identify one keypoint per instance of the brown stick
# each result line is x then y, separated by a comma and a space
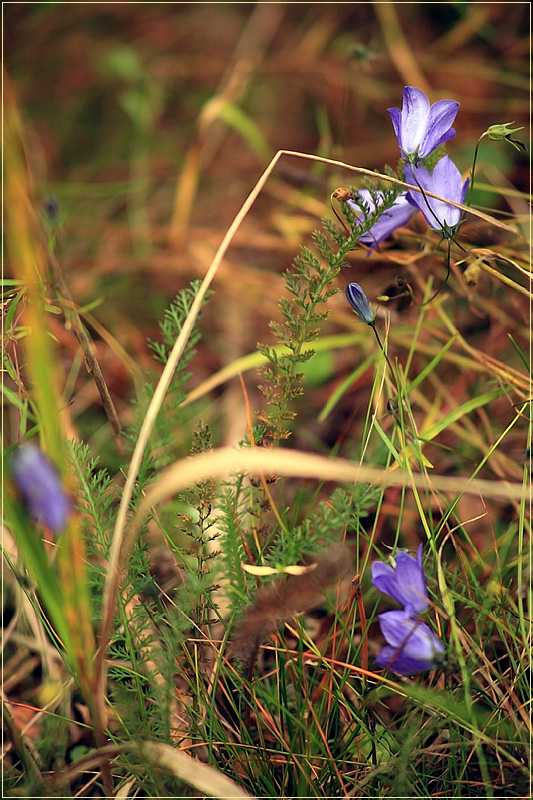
91, 362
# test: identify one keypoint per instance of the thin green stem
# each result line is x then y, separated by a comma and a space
443, 227
376, 334
473, 170
446, 277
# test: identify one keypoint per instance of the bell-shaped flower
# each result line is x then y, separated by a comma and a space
399, 214
40, 487
412, 646
445, 181
359, 302
420, 127
405, 583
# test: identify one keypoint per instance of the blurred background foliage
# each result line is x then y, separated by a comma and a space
148, 125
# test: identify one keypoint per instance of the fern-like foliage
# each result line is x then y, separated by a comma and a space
149, 633
140, 669
310, 285
172, 412
340, 513
233, 523
170, 327
197, 525
95, 501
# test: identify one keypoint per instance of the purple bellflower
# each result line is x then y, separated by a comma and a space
405, 583
420, 127
359, 302
399, 214
40, 487
412, 646
446, 181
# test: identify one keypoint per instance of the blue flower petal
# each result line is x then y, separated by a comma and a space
419, 127
439, 130
445, 181
415, 119
397, 661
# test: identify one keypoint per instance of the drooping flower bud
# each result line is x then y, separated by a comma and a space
51, 208
359, 302
502, 133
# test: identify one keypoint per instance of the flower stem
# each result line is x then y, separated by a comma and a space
376, 334
440, 224
446, 231
473, 169
445, 281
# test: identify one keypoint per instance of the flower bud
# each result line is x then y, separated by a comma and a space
502, 133
359, 302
